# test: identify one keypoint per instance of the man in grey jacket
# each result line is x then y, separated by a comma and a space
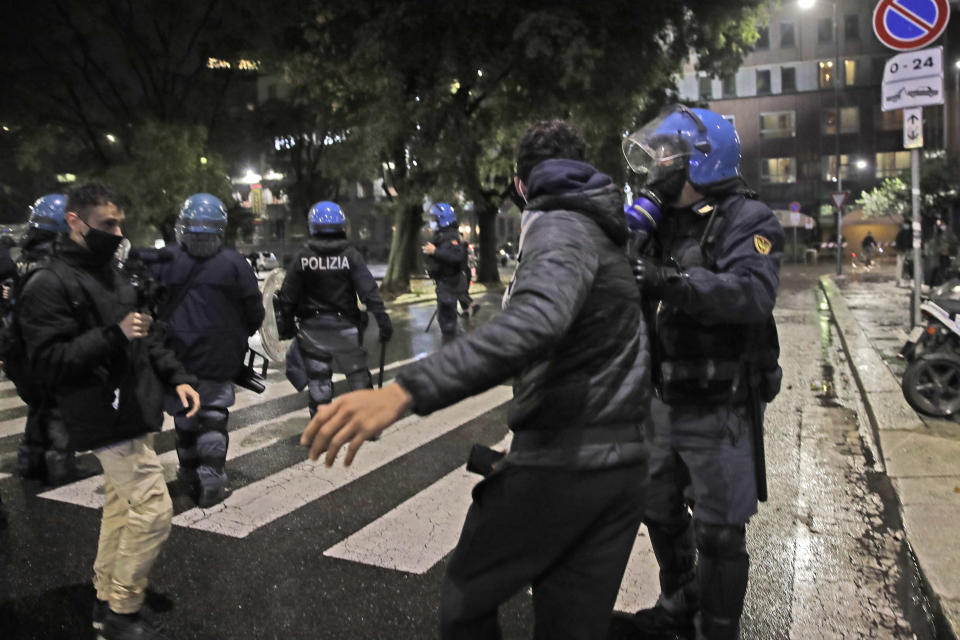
561, 509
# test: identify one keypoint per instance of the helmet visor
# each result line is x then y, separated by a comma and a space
653, 157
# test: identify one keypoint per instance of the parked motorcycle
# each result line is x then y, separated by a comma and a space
931, 382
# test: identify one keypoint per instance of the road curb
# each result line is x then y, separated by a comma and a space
894, 424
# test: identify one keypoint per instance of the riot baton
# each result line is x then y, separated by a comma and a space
427, 330
383, 356
756, 419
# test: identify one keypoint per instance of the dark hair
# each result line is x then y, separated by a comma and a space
84, 197
545, 140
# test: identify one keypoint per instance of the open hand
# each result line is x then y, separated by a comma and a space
353, 418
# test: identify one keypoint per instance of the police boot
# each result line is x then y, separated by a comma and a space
722, 573
672, 616
62, 468
30, 462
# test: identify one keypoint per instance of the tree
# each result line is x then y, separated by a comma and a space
890, 198
939, 191
448, 86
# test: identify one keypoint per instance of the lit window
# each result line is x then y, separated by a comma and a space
826, 74
892, 163
849, 120
778, 170
828, 167
778, 124
850, 72
888, 120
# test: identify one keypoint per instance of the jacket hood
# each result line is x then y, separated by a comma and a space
572, 185
333, 244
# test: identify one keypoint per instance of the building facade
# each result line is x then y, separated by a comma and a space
783, 101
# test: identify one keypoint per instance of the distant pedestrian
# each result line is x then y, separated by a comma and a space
869, 247
904, 246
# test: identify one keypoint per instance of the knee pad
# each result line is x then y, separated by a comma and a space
721, 541
360, 380
213, 439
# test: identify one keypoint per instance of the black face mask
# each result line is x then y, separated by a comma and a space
101, 244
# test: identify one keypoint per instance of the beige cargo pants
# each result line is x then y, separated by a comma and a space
136, 521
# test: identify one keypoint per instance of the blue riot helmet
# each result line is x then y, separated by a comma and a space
48, 213
202, 213
326, 217
684, 144
201, 224
443, 214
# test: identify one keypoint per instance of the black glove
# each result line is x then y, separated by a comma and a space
649, 276
386, 327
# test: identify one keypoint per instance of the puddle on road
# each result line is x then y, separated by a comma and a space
825, 388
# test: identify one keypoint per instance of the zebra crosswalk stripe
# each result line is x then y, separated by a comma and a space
263, 501
417, 534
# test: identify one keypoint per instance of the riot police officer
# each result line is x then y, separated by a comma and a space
711, 270
320, 290
213, 305
44, 451
446, 257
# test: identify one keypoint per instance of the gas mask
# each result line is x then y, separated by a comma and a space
661, 162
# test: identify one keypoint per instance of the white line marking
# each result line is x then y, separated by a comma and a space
276, 388
265, 500
417, 534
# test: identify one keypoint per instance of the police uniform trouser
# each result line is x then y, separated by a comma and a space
137, 512
566, 533
45, 450
702, 455
328, 342
202, 439
448, 293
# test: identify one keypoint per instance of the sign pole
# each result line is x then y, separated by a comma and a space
917, 267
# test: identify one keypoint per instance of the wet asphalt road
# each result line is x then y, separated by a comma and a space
828, 556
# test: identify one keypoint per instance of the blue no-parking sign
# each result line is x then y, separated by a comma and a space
905, 25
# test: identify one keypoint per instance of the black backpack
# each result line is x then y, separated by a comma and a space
13, 351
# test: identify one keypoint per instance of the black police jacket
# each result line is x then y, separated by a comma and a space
449, 260
108, 388
209, 328
718, 307
326, 276
572, 335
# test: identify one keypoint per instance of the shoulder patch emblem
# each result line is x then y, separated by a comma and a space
762, 245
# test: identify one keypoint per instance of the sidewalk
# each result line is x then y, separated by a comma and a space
921, 455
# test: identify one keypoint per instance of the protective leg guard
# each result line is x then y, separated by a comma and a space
188, 456
319, 383
212, 443
724, 568
674, 547
360, 380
